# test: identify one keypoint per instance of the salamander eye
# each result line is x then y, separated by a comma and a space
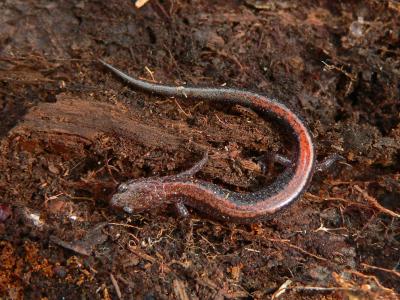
123, 187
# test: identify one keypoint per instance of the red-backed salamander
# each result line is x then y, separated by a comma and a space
182, 189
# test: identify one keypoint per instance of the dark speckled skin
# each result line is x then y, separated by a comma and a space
149, 193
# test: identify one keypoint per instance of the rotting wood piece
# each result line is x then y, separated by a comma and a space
87, 121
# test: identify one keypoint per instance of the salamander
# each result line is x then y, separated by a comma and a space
184, 190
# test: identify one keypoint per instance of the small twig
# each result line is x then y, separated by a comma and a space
181, 109
140, 3
223, 123
50, 198
321, 199
371, 277
323, 289
150, 72
393, 272
325, 229
124, 225
282, 289
13, 58
54, 197
110, 168
303, 251
79, 198
116, 286
197, 104
252, 250
136, 240
179, 289
339, 69
162, 9
285, 242
141, 254
375, 203
208, 242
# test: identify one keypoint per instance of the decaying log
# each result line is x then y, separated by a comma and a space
86, 121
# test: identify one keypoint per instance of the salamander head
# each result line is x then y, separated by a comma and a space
139, 195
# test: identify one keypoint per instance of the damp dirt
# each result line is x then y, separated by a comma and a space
70, 132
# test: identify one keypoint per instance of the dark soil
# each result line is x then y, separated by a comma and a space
70, 132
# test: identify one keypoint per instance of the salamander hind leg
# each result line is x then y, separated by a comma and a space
267, 160
328, 162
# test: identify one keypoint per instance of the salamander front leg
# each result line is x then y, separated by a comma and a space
266, 161
328, 162
181, 209
179, 204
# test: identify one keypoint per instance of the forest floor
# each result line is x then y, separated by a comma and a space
70, 132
